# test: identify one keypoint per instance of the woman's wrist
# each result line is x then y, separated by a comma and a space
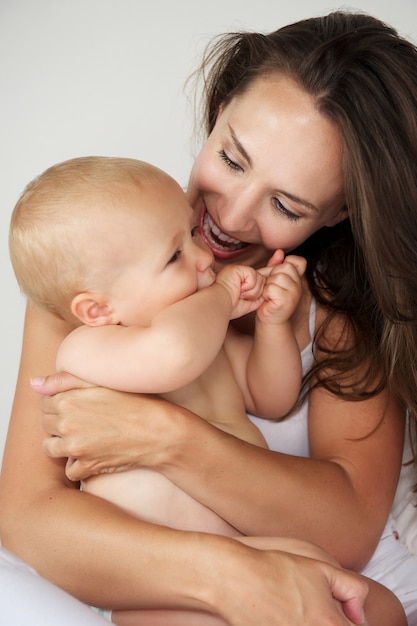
220, 559
181, 431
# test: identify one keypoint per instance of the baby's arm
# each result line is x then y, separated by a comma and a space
177, 347
270, 376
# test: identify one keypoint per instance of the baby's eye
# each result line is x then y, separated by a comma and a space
175, 257
226, 159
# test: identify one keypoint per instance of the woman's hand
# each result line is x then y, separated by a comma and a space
279, 588
296, 591
98, 429
315, 607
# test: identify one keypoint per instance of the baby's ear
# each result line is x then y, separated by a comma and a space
92, 310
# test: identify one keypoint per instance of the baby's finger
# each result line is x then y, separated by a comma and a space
266, 271
56, 383
298, 262
277, 258
286, 269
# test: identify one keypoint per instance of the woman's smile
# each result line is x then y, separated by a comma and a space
220, 243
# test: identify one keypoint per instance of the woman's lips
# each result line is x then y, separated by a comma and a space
222, 245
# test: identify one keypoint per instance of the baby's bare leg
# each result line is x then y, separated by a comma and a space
294, 546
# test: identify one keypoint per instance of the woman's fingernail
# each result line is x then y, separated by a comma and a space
37, 381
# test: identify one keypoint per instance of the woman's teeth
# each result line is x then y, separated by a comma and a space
218, 238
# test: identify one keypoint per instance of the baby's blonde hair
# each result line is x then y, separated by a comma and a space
48, 257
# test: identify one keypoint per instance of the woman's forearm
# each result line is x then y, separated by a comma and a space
84, 544
107, 559
100, 555
261, 492
333, 499
335, 502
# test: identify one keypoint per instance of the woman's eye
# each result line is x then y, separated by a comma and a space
283, 209
175, 257
226, 159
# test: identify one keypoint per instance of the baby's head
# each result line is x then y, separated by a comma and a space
71, 229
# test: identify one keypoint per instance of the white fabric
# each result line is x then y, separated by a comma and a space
29, 600
394, 566
404, 510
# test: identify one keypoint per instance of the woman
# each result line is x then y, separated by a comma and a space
312, 144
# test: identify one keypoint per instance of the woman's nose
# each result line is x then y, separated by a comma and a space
237, 214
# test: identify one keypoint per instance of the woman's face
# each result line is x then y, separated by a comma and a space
268, 176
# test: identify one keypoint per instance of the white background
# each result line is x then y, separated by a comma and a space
80, 77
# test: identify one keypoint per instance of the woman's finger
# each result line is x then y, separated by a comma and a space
55, 383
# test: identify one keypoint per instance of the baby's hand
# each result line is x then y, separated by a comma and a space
282, 291
245, 286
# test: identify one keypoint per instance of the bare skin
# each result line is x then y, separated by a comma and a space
378, 596
345, 467
134, 554
355, 477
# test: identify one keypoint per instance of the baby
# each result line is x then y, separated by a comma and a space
110, 246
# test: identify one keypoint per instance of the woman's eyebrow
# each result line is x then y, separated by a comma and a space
297, 200
239, 146
290, 196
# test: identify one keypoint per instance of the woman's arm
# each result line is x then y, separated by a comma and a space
105, 557
339, 498
82, 543
382, 607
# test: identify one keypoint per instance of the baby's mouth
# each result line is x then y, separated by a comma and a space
221, 244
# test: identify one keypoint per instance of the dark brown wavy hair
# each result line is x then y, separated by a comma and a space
363, 76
